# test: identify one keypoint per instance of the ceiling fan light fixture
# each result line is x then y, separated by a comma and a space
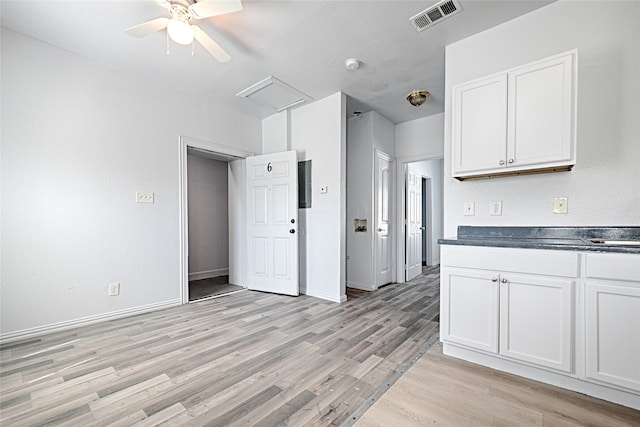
417, 97
180, 31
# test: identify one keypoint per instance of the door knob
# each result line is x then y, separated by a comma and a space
380, 229
292, 231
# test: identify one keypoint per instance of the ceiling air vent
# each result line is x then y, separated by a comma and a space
435, 14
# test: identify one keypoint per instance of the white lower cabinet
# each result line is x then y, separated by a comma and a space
612, 317
566, 318
469, 308
522, 317
536, 320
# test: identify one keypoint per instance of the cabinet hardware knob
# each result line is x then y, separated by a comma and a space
501, 162
293, 221
504, 280
510, 160
292, 231
494, 279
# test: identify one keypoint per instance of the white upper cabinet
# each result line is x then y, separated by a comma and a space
519, 120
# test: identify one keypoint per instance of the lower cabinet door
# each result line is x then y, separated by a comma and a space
469, 308
613, 334
536, 320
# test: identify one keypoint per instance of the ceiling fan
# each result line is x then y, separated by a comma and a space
179, 28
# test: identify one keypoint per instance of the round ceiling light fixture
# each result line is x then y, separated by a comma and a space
180, 31
417, 97
352, 64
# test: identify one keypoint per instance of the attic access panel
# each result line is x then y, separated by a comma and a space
274, 93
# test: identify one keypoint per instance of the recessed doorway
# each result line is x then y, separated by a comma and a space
212, 250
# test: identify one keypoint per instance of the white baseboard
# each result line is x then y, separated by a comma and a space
208, 274
362, 286
333, 298
83, 321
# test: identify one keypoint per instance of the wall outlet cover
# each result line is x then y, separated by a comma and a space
114, 289
469, 209
495, 209
560, 205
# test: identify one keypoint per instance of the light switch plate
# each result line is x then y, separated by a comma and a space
469, 209
560, 205
324, 189
144, 197
495, 209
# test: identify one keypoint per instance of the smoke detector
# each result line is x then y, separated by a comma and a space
352, 64
435, 14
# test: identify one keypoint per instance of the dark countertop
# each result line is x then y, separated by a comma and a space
592, 239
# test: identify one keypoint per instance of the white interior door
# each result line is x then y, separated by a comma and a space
414, 223
383, 266
272, 223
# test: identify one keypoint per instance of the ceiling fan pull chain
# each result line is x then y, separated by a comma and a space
168, 52
193, 48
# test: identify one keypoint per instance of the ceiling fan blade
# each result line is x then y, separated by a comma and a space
208, 43
148, 27
209, 8
164, 3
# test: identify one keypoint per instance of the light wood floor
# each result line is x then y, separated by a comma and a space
260, 359
245, 359
444, 391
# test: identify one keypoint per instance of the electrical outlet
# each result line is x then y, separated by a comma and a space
114, 289
469, 209
144, 197
560, 205
495, 209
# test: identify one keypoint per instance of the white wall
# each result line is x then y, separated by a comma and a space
318, 133
208, 217
420, 139
78, 140
434, 169
276, 133
365, 134
604, 186
360, 201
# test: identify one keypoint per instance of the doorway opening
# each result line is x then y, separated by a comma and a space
208, 225
211, 219
421, 216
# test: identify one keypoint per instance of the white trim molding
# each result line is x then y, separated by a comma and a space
208, 274
84, 321
362, 286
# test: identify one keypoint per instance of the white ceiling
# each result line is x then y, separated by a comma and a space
303, 43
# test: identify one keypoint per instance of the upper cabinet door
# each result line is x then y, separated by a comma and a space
540, 126
520, 120
480, 125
